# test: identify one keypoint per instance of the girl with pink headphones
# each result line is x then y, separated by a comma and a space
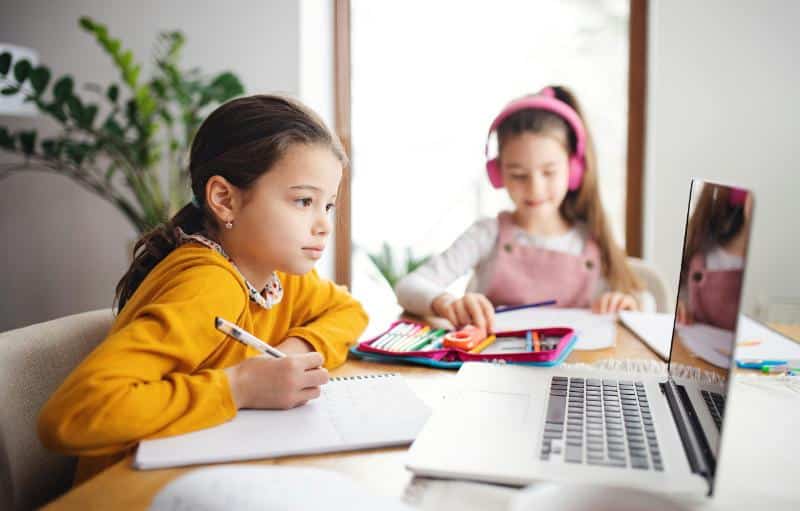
716, 241
556, 244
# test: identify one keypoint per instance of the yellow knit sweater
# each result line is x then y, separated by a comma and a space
160, 370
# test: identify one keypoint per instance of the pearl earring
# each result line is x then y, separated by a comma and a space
229, 224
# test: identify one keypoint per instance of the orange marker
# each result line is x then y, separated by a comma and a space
536, 339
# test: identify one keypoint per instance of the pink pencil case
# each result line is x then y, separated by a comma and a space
509, 347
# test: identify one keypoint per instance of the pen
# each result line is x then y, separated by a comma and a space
245, 337
528, 341
507, 308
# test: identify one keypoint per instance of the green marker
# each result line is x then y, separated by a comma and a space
439, 332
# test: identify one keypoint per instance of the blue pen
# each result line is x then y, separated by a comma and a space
756, 364
507, 308
528, 341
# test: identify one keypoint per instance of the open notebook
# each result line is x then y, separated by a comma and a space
354, 412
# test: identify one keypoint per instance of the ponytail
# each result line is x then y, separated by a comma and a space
153, 247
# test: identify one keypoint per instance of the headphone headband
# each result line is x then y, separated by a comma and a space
544, 100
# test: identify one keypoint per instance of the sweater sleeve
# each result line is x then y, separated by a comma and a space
143, 380
418, 289
327, 316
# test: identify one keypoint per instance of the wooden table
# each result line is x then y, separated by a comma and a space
379, 470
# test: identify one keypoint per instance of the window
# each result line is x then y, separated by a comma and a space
428, 78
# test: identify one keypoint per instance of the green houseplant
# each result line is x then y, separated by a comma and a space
385, 261
130, 144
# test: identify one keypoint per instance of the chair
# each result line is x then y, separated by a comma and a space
654, 283
35, 360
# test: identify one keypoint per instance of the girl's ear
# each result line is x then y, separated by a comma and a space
222, 198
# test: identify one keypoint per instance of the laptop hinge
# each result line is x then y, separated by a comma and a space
701, 459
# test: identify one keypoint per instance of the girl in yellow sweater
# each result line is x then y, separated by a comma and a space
264, 172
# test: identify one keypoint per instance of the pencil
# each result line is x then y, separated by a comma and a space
483, 345
245, 337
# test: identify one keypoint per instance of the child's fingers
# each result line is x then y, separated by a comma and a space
462, 316
308, 360
308, 394
488, 312
475, 311
628, 303
614, 302
315, 377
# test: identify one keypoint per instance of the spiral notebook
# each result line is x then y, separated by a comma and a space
350, 414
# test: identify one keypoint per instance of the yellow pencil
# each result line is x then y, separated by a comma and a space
483, 345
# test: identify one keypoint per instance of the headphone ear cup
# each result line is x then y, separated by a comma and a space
493, 169
575, 173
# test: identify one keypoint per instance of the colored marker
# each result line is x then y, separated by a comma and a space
537, 347
413, 339
401, 339
483, 345
778, 369
431, 337
528, 341
398, 329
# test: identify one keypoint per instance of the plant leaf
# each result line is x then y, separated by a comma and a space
6, 139
39, 78
63, 88
27, 141
5, 62
113, 92
21, 70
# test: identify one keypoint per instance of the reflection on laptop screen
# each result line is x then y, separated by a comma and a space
710, 288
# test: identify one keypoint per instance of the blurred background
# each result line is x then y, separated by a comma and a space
426, 79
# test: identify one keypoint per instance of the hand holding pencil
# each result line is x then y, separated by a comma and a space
273, 381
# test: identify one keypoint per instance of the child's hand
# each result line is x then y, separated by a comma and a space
277, 383
472, 309
683, 316
614, 302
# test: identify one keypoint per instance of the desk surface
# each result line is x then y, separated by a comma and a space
380, 470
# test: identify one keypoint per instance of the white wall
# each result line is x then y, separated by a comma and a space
723, 105
65, 249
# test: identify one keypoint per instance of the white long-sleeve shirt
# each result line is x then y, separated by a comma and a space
476, 249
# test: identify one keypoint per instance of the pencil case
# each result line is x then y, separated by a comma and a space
508, 348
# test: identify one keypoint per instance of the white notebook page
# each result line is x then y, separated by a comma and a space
354, 412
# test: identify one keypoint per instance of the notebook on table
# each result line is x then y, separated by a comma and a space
350, 414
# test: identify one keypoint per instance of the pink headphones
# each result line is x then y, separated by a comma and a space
737, 196
544, 100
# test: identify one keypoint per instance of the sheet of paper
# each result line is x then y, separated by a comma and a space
350, 414
710, 343
595, 331
771, 345
654, 329
240, 487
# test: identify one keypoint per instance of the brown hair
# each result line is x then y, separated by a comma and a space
240, 141
715, 221
583, 204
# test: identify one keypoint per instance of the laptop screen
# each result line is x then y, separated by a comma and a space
710, 286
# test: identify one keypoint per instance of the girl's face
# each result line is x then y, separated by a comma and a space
285, 219
535, 170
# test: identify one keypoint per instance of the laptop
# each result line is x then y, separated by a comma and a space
515, 425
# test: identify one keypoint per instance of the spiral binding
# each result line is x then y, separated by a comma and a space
362, 377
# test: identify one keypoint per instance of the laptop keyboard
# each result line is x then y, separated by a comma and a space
600, 422
716, 405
